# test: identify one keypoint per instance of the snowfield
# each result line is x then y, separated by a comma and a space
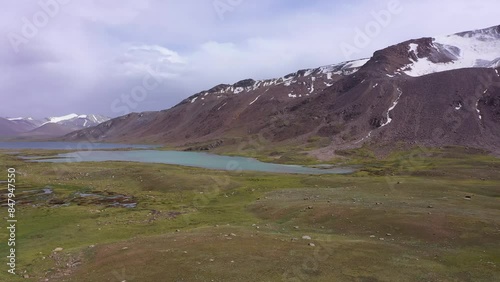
475, 49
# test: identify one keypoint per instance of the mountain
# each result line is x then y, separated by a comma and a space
25, 124
48, 130
77, 121
430, 91
206, 114
8, 128
52, 126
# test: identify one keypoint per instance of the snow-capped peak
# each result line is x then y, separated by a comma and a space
72, 120
480, 48
61, 118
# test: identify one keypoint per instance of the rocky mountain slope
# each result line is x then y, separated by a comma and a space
432, 91
8, 128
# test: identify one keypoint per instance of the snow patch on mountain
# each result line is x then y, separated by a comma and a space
478, 111
222, 106
476, 49
364, 138
254, 100
293, 79
62, 118
238, 90
76, 120
394, 104
344, 68
413, 48
309, 72
356, 64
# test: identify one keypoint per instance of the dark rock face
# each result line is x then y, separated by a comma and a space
245, 83
377, 122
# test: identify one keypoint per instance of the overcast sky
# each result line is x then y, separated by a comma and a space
114, 56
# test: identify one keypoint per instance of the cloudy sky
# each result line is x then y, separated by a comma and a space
116, 56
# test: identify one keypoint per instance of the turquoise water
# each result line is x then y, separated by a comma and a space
80, 146
192, 159
96, 152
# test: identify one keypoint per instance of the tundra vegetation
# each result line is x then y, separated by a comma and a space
413, 215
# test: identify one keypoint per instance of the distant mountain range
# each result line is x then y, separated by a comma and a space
47, 127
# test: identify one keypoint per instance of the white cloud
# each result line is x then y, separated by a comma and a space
93, 51
153, 59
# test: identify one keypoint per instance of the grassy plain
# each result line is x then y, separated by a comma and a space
415, 215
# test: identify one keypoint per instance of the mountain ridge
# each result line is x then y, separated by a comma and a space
350, 104
50, 127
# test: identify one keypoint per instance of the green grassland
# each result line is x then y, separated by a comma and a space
414, 215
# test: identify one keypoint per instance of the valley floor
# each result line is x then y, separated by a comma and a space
412, 216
